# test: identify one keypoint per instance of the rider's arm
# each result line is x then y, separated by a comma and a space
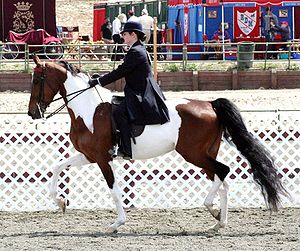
131, 61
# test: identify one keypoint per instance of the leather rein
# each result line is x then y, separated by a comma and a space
42, 105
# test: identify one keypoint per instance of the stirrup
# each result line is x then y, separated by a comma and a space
114, 151
123, 155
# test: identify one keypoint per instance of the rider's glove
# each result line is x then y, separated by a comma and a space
94, 81
96, 75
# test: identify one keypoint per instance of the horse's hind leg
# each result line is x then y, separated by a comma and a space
223, 193
221, 172
76, 160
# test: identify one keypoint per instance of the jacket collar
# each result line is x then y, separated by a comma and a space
137, 43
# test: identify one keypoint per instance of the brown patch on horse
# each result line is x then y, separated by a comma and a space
199, 135
95, 146
91, 144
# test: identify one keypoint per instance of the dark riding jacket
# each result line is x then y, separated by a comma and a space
144, 99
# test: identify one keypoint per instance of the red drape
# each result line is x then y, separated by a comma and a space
22, 16
36, 37
99, 17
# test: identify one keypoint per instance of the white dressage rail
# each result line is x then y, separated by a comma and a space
29, 148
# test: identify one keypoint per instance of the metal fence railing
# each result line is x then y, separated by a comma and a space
92, 53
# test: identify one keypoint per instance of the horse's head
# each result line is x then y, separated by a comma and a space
47, 80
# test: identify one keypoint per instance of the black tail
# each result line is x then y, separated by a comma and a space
262, 164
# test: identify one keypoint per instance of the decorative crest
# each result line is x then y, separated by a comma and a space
22, 6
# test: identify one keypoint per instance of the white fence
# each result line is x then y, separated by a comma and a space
29, 148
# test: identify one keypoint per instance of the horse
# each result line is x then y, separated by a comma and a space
195, 131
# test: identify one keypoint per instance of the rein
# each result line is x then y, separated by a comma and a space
41, 103
64, 105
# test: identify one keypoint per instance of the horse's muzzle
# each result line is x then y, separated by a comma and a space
35, 114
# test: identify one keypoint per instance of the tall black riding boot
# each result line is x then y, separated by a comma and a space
122, 123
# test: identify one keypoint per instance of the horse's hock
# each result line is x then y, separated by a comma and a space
188, 80
29, 149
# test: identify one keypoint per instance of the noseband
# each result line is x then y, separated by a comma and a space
41, 104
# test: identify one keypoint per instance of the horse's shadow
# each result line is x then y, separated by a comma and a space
207, 234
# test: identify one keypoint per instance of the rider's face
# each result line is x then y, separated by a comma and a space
129, 38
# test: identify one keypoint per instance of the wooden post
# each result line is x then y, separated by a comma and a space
195, 86
235, 80
155, 48
273, 79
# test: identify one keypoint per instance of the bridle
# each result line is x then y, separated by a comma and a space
42, 105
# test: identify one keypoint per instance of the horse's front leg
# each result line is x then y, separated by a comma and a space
77, 160
115, 193
117, 197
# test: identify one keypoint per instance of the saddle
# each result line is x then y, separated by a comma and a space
135, 130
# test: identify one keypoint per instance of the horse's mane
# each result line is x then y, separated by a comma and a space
69, 67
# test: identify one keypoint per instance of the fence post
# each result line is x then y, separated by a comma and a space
26, 58
289, 57
79, 55
266, 53
234, 79
155, 48
195, 86
1, 45
184, 56
273, 79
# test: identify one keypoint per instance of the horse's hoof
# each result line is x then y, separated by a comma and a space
214, 229
62, 204
111, 230
217, 227
218, 216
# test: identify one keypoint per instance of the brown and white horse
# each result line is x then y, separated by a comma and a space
194, 131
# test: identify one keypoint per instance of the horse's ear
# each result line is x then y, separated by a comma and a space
36, 59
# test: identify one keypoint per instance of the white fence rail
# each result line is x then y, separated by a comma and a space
29, 148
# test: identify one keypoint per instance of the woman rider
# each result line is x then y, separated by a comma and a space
144, 101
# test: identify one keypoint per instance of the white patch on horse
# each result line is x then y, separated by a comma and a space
159, 139
84, 105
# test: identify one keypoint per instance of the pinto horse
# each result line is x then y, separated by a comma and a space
195, 130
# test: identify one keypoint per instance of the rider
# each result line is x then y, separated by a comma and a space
144, 101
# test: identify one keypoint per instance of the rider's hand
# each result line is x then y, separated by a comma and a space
94, 81
96, 75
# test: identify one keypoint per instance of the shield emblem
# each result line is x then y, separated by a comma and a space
246, 21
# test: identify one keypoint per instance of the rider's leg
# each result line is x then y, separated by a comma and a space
121, 117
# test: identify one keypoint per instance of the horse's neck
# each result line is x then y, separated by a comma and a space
84, 104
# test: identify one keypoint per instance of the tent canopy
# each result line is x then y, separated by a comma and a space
204, 19
249, 3
245, 3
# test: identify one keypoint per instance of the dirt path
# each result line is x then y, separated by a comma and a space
176, 229
244, 99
